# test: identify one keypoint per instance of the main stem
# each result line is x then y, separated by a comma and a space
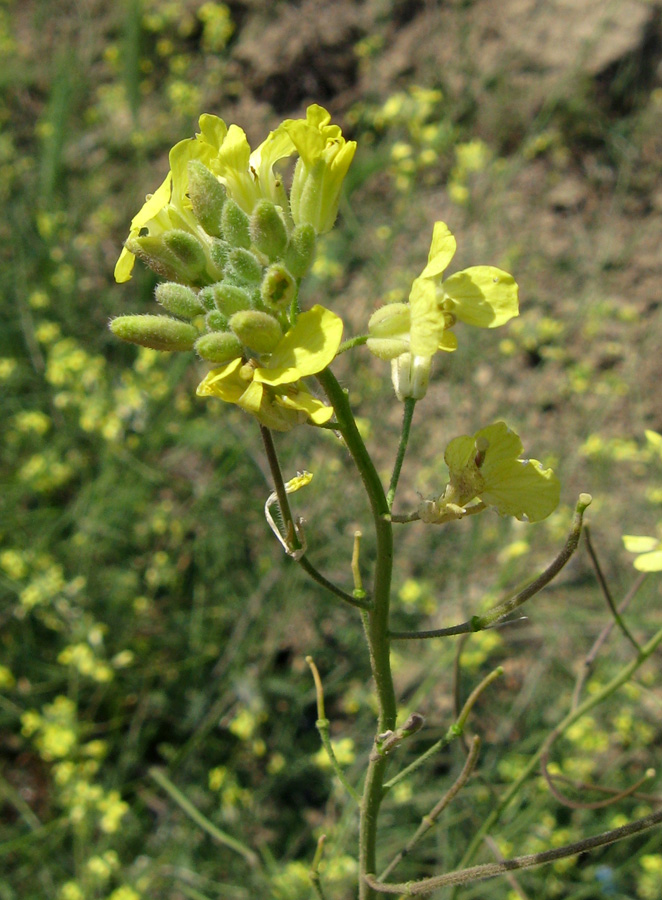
376, 625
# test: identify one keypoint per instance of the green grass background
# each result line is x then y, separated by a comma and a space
149, 620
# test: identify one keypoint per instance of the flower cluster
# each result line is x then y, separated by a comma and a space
409, 334
233, 248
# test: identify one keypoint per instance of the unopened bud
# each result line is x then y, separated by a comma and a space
278, 286
389, 331
207, 197
189, 252
300, 251
257, 330
219, 252
151, 249
244, 267
234, 222
178, 300
229, 299
218, 347
267, 230
216, 321
156, 332
410, 376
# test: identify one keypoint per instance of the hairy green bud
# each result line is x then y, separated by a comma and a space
188, 250
207, 197
278, 287
219, 252
218, 347
151, 249
257, 330
267, 230
178, 300
206, 297
300, 251
216, 321
156, 332
234, 222
229, 298
244, 266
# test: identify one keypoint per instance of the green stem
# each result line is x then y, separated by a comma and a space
186, 806
616, 682
352, 342
291, 535
410, 405
375, 622
453, 732
480, 623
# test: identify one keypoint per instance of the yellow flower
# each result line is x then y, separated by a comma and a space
169, 208
273, 391
324, 159
487, 466
411, 333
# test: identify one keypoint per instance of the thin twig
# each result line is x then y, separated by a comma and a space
600, 640
410, 405
453, 732
313, 873
480, 623
430, 820
193, 813
322, 725
490, 870
604, 587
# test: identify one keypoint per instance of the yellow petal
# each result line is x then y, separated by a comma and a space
522, 488
308, 347
442, 250
427, 319
649, 562
223, 382
636, 543
302, 400
502, 444
482, 296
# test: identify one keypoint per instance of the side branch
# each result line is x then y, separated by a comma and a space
480, 623
490, 870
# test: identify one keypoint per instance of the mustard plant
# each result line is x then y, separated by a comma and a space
232, 241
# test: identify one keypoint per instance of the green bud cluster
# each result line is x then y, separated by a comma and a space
232, 278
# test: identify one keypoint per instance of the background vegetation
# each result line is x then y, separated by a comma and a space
148, 620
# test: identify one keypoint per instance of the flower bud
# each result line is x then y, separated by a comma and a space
207, 197
219, 252
189, 252
216, 321
389, 330
300, 250
218, 347
267, 230
156, 332
244, 267
410, 376
178, 300
206, 297
257, 330
229, 299
151, 249
278, 287
234, 222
